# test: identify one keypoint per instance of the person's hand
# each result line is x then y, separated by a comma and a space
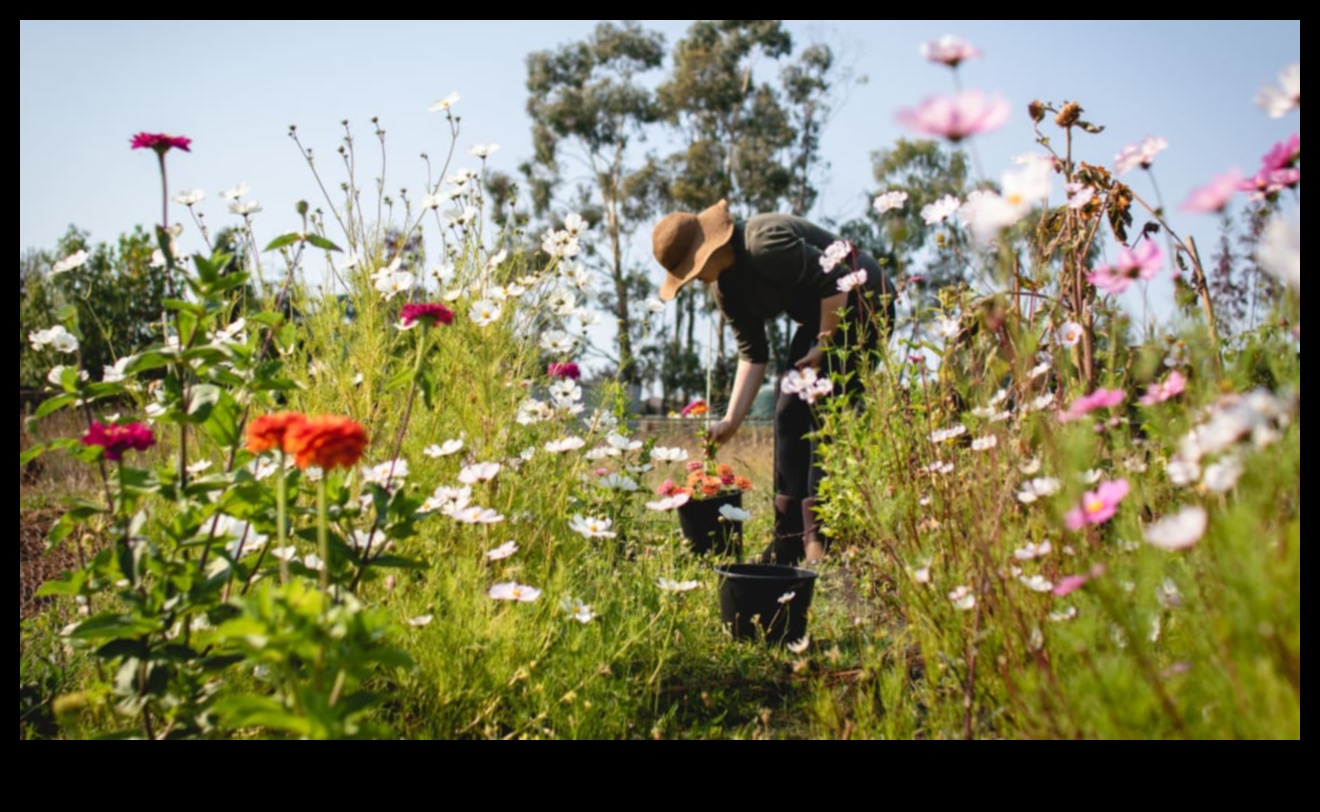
812, 359
723, 431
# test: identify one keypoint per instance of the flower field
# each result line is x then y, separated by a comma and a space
355, 489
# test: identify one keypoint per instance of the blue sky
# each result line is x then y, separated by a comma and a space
234, 87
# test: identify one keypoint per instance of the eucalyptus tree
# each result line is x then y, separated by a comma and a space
589, 102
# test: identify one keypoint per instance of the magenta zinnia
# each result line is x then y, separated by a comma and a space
118, 439
161, 142
428, 313
567, 369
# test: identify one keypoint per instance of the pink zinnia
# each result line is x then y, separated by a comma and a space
1098, 506
1168, 390
956, 117
1099, 399
161, 142
118, 439
567, 369
666, 488
1214, 196
949, 50
428, 313
1143, 263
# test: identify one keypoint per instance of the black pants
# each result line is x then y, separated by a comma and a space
866, 327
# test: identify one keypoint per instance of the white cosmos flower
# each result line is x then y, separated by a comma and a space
1029, 551
617, 482
373, 541
577, 610
532, 411
1181, 531
244, 208
432, 201
1070, 334
662, 454
1063, 615
461, 218
615, 440
1040, 369
477, 515
391, 285
834, 253
386, 474
57, 338
1280, 251
786, 598
948, 328
565, 391
963, 599
200, 466
985, 443
668, 503
75, 260
236, 192
565, 445
889, 201
1041, 403
800, 646
445, 103
480, 472
921, 575
940, 210
561, 301
118, 371
654, 305
592, 528
484, 312
1278, 100
505, 550
1222, 476
56, 375
1031, 467
513, 591
558, 341
986, 213
1037, 489
447, 501
670, 585
445, 449
1091, 477
483, 151
421, 621
1183, 473
1037, 583
852, 281
190, 197
734, 514
945, 435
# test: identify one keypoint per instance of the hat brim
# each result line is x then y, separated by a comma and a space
716, 229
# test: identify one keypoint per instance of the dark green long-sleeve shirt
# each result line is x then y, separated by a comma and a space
777, 270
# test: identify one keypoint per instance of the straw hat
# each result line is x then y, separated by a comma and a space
683, 244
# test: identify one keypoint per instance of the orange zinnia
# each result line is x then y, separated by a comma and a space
269, 431
743, 483
327, 442
725, 473
710, 486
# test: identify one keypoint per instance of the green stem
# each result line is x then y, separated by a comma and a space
282, 514
323, 537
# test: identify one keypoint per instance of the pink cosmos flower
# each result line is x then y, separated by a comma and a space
1284, 154
1099, 399
694, 466
118, 439
1079, 194
1143, 263
956, 117
161, 142
1214, 196
1139, 155
1267, 183
567, 369
949, 50
1168, 390
1072, 583
1098, 506
666, 488
429, 314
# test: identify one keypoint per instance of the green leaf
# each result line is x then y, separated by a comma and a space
284, 241
148, 361
183, 306
400, 379
201, 400
52, 405
258, 711
108, 625
222, 424
398, 562
31, 454
68, 584
322, 242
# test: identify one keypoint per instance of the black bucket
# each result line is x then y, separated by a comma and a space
709, 532
765, 599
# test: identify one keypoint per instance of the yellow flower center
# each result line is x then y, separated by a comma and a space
1094, 505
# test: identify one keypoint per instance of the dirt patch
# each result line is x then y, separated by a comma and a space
36, 564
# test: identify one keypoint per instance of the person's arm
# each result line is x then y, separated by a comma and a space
746, 383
